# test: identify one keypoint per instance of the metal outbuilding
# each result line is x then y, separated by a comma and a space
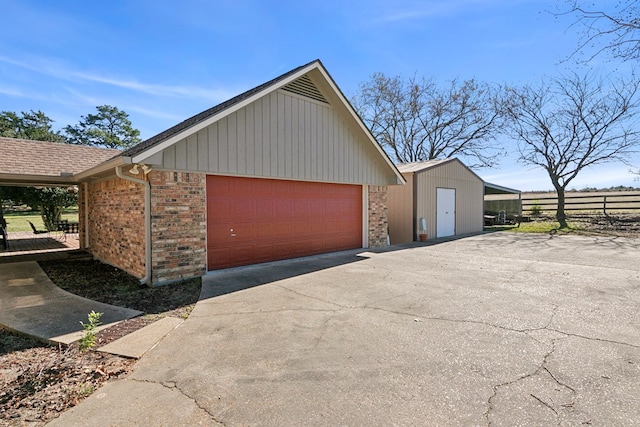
441, 198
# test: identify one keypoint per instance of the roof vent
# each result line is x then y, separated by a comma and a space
305, 87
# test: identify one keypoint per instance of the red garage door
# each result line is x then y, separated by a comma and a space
251, 220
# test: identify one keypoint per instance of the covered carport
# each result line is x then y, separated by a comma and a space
27, 163
501, 204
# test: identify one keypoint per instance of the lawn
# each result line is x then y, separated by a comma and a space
17, 221
545, 227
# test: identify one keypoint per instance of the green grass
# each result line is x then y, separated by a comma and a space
544, 227
17, 221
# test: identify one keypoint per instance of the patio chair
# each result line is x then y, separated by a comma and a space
4, 237
3, 231
36, 231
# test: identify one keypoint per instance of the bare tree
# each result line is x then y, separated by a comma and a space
615, 31
415, 119
571, 123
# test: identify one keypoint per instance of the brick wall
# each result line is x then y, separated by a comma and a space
378, 219
116, 224
178, 218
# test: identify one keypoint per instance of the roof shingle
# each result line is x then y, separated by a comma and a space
54, 159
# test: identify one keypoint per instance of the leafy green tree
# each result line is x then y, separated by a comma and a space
110, 128
50, 201
34, 125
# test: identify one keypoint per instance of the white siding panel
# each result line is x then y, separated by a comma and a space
283, 136
191, 151
223, 147
232, 146
308, 159
169, 157
295, 141
181, 155
259, 139
203, 149
280, 136
241, 135
288, 132
214, 147
266, 136
249, 129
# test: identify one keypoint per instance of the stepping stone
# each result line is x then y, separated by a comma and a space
137, 343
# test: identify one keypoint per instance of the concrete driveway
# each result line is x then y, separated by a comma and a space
494, 329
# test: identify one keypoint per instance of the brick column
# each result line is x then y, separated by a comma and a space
178, 225
378, 218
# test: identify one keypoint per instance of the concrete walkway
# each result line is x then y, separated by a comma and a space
31, 304
495, 329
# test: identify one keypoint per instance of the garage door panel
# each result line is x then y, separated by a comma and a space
274, 219
264, 208
221, 206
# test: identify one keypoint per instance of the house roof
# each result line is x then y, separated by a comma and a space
422, 166
27, 162
417, 167
62, 163
200, 117
148, 148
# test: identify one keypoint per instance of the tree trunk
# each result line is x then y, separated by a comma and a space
560, 215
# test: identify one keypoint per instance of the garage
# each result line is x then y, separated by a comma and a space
284, 170
252, 220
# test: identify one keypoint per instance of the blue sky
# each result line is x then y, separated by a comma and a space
163, 62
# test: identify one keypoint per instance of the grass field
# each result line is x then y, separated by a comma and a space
17, 221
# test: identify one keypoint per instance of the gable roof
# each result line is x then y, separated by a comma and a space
27, 162
417, 167
69, 164
200, 117
157, 143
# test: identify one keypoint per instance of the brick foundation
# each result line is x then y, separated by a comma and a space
378, 218
179, 229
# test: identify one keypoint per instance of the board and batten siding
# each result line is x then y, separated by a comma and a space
400, 211
469, 196
282, 136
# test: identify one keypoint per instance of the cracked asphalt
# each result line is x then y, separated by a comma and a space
491, 330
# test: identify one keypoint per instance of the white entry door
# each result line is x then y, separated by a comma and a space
445, 212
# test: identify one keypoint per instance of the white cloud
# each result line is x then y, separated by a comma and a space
11, 92
56, 70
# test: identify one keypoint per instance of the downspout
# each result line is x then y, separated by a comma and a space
147, 221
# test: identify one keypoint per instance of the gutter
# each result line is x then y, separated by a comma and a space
147, 221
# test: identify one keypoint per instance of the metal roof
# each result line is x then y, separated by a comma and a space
490, 188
